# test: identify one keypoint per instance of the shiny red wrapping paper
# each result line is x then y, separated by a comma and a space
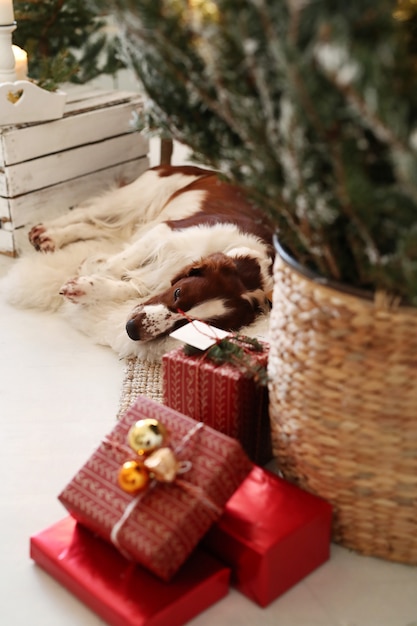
120, 592
272, 534
167, 521
222, 397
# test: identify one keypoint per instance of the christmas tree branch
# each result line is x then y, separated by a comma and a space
45, 31
199, 86
339, 179
383, 132
371, 249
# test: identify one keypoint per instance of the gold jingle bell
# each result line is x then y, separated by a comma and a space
146, 435
133, 477
163, 465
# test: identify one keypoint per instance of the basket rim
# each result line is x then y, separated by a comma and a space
369, 297
315, 277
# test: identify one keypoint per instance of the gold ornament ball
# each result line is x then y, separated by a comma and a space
146, 435
133, 477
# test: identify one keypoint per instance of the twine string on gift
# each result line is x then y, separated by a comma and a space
120, 447
200, 495
114, 534
184, 441
183, 467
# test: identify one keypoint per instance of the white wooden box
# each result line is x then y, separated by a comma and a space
47, 168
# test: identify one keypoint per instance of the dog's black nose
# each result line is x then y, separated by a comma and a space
132, 329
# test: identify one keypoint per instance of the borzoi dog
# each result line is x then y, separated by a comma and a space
130, 266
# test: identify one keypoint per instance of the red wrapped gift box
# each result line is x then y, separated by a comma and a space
222, 397
272, 534
160, 527
120, 592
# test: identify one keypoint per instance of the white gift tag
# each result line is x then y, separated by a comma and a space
199, 334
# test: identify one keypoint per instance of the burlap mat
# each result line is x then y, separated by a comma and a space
141, 377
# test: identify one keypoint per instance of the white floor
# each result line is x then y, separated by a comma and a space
58, 395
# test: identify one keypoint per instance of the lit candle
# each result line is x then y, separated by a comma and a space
20, 63
6, 12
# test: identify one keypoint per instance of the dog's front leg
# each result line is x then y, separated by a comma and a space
89, 290
50, 238
135, 272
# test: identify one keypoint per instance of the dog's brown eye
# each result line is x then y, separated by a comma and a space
177, 294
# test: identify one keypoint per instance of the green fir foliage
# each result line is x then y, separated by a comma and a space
65, 41
236, 350
310, 105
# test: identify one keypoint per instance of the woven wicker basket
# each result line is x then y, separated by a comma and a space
343, 408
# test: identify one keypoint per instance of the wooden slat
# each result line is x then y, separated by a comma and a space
19, 144
48, 167
7, 245
55, 200
76, 93
100, 100
49, 170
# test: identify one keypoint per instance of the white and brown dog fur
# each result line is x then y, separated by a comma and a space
130, 266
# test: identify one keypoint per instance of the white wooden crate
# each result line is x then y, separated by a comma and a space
47, 168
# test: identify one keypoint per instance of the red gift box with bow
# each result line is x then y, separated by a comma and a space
272, 534
119, 591
160, 526
223, 396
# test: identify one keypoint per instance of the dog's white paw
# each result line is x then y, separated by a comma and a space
84, 289
95, 288
77, 289
41, 239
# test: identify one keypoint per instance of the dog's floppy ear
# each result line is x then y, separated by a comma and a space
191, 270
213, 262
196, 270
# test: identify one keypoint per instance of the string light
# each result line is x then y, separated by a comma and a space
406, 10
207, 8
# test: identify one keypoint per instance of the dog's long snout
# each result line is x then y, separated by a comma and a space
150, 321
132, 328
